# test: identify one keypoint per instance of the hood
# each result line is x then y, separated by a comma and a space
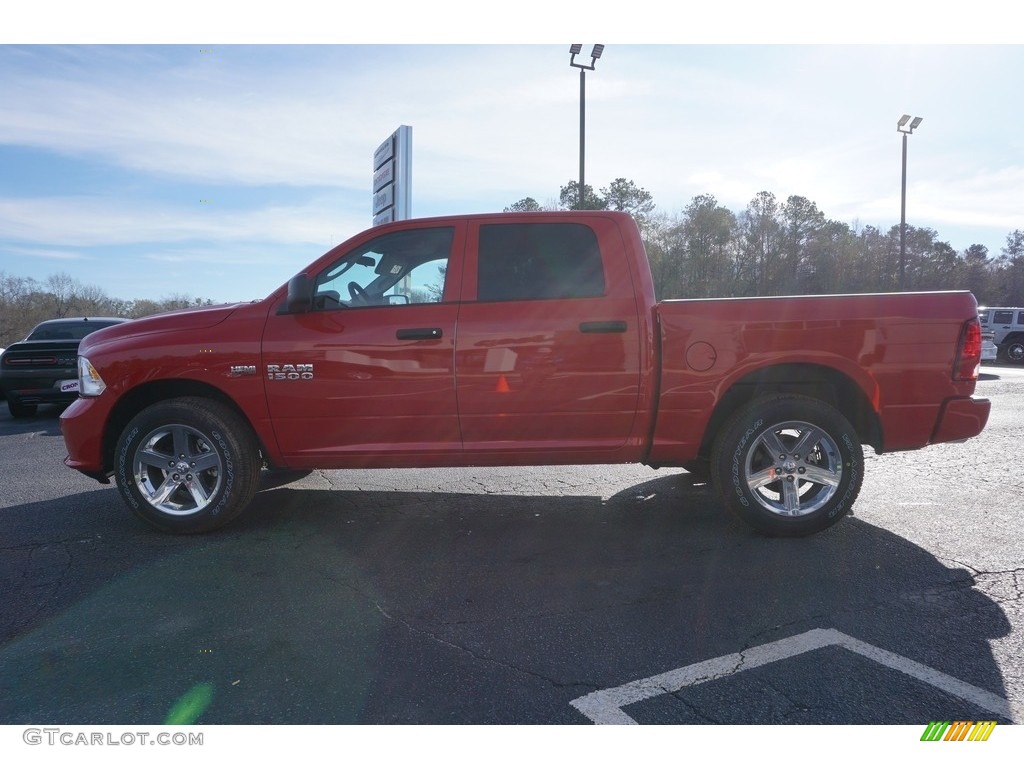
175, 320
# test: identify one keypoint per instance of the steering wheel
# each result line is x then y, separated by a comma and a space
358, 294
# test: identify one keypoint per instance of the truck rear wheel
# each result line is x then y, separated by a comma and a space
788, 465
187, 465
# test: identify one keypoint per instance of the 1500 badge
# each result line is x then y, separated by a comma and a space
290, 372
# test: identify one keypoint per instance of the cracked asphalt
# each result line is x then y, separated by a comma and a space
501, 595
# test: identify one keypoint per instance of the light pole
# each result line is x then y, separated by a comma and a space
595, 54
906, 130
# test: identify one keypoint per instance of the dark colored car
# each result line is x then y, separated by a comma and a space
44, 367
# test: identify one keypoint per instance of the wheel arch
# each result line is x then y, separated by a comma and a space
145, 395
811, 380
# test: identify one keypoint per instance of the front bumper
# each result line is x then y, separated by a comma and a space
32, 388
82, 425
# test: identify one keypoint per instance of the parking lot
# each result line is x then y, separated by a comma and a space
559, 595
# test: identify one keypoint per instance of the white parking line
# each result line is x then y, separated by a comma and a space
605, 707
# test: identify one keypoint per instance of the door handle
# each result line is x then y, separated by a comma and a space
603, 326
418, 334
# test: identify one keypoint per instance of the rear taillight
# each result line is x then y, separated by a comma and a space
968, 356
36, 362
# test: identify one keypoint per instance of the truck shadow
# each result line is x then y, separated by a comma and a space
364, 606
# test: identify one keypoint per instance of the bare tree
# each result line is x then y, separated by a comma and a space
62, 289
1010, 270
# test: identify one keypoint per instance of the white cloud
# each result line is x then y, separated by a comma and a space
312, 125
492, 125
48, 253
87, 221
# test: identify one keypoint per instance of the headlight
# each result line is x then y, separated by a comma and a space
90, 383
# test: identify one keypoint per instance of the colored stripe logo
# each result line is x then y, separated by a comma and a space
958, 730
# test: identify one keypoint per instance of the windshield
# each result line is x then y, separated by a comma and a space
67, 330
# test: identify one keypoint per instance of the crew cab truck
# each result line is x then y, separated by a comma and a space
520, 339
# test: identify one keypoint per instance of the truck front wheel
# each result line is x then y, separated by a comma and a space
187, 465
788, 465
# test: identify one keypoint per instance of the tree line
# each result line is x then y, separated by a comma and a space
26, 302
790, 247
771, 248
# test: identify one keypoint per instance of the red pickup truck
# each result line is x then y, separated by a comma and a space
520, 339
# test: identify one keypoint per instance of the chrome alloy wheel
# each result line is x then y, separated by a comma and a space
177, 470
793, 468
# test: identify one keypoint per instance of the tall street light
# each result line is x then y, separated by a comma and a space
903, 127
595, 54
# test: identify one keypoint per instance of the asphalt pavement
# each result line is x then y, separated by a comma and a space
555, 595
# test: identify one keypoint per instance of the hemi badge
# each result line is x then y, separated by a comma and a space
242, 370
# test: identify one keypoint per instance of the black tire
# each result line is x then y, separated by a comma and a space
188, 465
788, 465
20, 410
1015, 352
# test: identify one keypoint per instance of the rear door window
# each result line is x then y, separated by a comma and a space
521, 262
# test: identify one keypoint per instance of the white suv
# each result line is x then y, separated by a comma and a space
1007, 327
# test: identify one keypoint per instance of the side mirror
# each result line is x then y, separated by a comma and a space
300, 295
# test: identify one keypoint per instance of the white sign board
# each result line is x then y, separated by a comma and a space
385, 198
384, 176
392, 178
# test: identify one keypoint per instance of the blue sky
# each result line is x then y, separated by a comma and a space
219, 169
